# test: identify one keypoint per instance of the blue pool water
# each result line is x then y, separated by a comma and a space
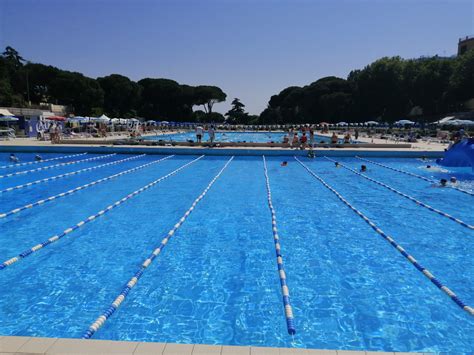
216, 282
255, 137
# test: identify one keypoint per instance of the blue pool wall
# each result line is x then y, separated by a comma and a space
220, 151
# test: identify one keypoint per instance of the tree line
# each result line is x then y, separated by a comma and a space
115, 95
386, 90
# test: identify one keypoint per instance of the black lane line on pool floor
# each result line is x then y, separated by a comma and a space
281, 270
394, 244
83, 187
57, 237
417, 202
99, 322
27, 184
414, 175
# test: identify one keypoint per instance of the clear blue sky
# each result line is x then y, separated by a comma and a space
251, 49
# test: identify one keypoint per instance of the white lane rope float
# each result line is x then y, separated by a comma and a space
413, 174
419, 203
93, 183
394, 244
15, 165
57, 165
17, 187
57, 237
281, 270
99, 322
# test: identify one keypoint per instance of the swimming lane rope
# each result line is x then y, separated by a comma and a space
394, 244
56, 165
68, 174
419, 203
281, 270
40, 161
99, 322
414, 175
70, 192
57, 237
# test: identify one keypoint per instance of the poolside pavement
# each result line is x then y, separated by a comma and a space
34, 345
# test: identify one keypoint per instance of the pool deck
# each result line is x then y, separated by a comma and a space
32, 345
369, 148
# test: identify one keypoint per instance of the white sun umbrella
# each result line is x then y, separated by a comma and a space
8, 119
460, 123
100, 119
342, 123
372, 123
404, 122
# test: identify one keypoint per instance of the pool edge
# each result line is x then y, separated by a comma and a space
42, 345
331, 152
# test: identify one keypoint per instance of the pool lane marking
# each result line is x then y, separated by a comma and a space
394, 244
67, 174
99, 322
13, 165
56, 165
57, 237
70, 192
419, 203
281, 270
413, 174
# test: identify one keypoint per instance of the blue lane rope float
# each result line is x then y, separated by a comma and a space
99, 322
414, 175
394, 244
68, 174
40, 161
56, 165
57, 237
419, 203
281, 270
70, 192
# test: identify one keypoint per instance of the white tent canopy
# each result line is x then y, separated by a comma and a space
375, 123
342, 123
460, 123
404, 122
445, 120
5, 112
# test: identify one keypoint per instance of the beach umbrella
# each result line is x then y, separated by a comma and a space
342, 123
8, 119
372, 123
460, 123
404, 122
56, 118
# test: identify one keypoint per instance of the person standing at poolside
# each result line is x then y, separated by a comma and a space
295, 140
212, 134
356, 134
334, 138
311, 136
199, 131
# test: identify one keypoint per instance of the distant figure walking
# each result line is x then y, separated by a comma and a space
199, 131
212, 134
356, 134
295, 140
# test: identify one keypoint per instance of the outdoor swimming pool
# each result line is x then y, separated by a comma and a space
217, 280
254, 137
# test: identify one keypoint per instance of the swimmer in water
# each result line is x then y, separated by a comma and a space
38, 157
453, 180
363, 168
13, 158
443, 182
285, 163
337, 164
